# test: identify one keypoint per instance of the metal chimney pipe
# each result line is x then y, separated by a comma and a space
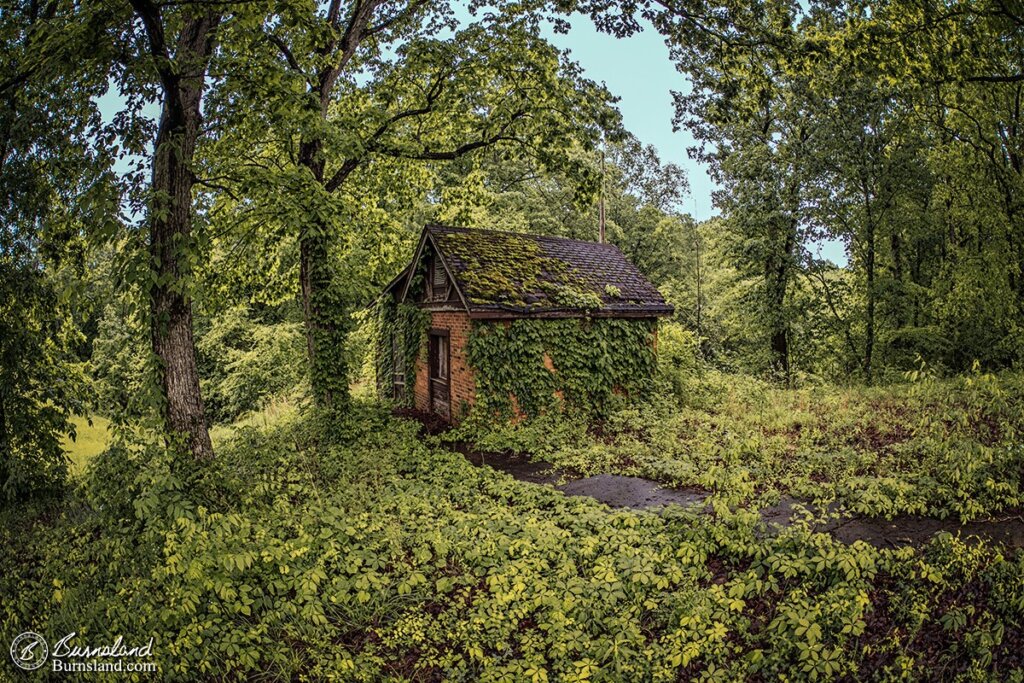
600, 201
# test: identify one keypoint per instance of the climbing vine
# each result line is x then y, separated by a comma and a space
578, 364
400, 335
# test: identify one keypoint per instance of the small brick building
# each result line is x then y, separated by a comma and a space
461, 277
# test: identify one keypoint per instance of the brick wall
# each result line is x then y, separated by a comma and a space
420, 393
463, 387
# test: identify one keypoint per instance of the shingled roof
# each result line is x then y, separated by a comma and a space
503, 274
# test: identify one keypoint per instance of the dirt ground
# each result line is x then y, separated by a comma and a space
639, 493
516, 465
911, 530
630, 492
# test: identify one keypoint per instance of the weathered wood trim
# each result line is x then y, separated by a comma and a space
438, 255
488, 314
447, 381
442, 306
412, 266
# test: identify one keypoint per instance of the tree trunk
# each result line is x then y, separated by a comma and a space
170, 228
777, 272
324, 315
324, 312
5, 449
700, 301
896, 245
780, 349
869, 322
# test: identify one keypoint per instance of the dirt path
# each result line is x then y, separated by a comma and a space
912, 530
630, 492
639, 493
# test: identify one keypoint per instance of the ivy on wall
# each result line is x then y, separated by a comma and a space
401, 334
592, 360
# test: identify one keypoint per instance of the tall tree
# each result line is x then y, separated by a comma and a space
745, 109
865, 158
178, 42
361, 83
957, 70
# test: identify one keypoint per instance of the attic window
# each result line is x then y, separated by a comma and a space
438, 283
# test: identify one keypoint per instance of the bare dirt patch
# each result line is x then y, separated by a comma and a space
631, 492
517, 465
639, 493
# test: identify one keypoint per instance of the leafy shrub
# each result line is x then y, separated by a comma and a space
41, 380
245, 362
343, 547
678, 356
118, 365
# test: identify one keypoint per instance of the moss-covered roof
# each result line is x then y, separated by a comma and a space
518, 273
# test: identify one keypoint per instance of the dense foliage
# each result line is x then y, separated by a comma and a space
41, 381
248, 359
198, 200
310, 550
528, 366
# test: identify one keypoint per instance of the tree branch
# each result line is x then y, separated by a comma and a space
149, 13
285, 51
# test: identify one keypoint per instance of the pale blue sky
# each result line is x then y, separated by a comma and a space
638, 71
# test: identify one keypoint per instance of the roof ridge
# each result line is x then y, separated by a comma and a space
531, 235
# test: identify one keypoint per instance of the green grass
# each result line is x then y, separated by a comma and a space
90, 440
270, 414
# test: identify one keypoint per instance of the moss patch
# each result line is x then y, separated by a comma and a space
512, 270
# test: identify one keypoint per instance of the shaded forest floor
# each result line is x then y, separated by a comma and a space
352, 547
638, 493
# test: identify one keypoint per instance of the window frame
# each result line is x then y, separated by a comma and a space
438, 290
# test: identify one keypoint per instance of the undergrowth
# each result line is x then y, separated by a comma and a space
937, 448
348, 549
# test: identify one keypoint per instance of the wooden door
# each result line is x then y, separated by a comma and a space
439, 377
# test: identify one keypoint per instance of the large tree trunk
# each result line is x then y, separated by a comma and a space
171, 308
170, 228
324, 312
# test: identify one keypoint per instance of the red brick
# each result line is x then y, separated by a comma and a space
463, 386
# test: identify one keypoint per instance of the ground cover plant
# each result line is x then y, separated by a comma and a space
928, 447
201, 201
351, 549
